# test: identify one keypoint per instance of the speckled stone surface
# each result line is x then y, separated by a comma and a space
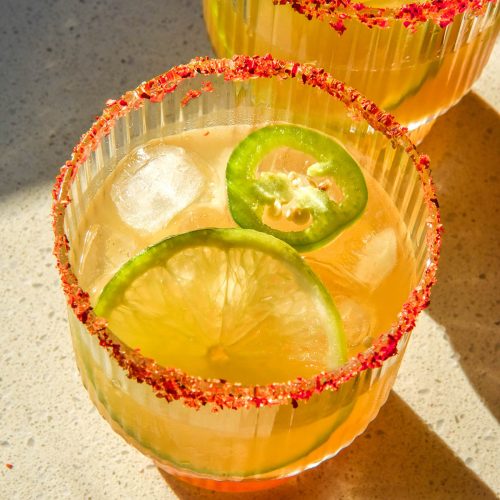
438, 435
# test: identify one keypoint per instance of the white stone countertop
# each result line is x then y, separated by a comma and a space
437, 436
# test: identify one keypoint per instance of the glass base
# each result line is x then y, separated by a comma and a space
223, 486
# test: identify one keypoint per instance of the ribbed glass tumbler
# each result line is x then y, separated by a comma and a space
218, 433
414, 60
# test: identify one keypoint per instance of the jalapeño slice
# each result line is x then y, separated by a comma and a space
319, 202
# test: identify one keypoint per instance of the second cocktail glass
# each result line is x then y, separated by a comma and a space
414, 60
153, 166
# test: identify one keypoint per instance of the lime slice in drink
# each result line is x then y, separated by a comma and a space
232, 304
305, 205
420, 75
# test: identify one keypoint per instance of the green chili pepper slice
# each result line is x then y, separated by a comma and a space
303, 198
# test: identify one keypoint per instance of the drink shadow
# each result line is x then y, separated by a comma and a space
398, 456
464, 147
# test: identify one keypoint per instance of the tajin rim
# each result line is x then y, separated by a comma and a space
174, 384
337, 12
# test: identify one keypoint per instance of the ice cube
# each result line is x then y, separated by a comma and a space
103, 252
358, 320
157, 182
377, 258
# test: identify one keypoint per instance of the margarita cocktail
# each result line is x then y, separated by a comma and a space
243, 276
414, 60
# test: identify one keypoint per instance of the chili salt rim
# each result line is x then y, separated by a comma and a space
336, 12
171, 383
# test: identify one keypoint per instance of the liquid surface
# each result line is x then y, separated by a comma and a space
175, 185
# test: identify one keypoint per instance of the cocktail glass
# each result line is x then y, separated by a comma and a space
217, 433
414, 60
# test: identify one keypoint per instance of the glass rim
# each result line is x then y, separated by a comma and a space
172, 383
336, 12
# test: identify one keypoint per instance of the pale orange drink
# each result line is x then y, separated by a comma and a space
414, 59
243, 276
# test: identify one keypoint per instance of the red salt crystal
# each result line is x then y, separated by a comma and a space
183, 72
250, 66
435, 201
338, 26
9, 466
82, 316
260, 402
207, 87
190, 94
157, 97
103, 343
424, 160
